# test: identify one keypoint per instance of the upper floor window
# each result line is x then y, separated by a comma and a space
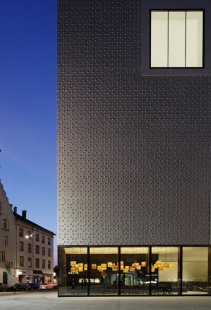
37, 249
43, 251
29, 248
20, 232
2, 256
21, 246
22, 261
5, 224
37, 238
37, 263
5, 240
29, 236
43, 239
29, 262
49, 252
49, 241
49, 264
177, 38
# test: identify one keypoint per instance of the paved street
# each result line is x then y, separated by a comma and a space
50, 301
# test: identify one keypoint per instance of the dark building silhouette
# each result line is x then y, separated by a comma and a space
134, 147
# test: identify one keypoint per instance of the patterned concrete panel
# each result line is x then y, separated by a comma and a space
133, 150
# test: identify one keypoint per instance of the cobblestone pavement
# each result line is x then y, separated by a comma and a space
50, 301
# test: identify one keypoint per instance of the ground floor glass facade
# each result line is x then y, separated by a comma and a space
134, 270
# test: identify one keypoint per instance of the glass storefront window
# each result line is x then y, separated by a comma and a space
195, 270
165, 271
73, 276
104, 270
134, 271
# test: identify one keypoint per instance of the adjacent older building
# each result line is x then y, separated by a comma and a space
7, 240
134, 93
26, 248
35, 257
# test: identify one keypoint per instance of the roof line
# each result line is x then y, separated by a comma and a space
19, 217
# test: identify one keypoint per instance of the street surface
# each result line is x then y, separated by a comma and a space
50, 301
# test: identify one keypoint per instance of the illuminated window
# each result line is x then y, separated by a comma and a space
29, 262
29, 235
195, 269
176, 39
134, 271
104, 271
165, 270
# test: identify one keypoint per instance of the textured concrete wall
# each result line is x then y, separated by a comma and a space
133, 150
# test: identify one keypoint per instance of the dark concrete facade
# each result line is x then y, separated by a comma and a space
133, 147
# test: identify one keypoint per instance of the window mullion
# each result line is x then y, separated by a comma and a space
168, 41
185, 37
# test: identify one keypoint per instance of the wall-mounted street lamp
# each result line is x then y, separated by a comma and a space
28, 236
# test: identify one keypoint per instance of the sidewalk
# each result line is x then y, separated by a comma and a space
50, 301
11, 293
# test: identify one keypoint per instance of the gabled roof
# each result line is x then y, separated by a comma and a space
20, 218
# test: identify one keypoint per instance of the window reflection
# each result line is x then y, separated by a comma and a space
104, 267
134, 269
164, 270
73, 271
195, 270
137, 270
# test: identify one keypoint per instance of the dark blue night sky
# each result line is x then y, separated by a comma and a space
28, 107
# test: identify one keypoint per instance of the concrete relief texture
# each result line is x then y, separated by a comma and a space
133, 150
